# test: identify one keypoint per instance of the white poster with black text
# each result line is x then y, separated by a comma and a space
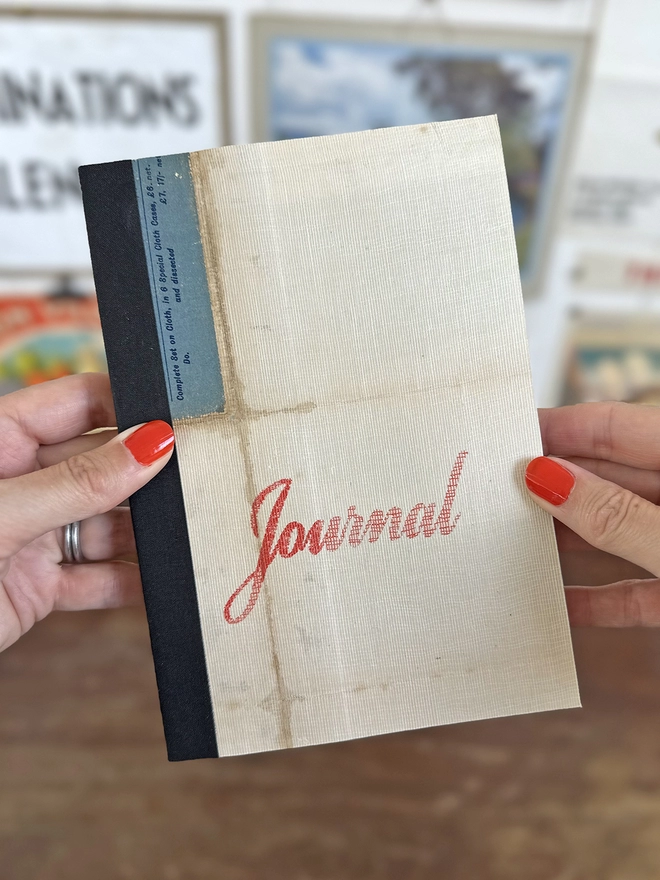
86, 90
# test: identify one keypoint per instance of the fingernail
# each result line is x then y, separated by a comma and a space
549, 480
150, 442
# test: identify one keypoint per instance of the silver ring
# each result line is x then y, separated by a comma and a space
72, 549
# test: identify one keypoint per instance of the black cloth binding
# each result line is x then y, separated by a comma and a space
159, 518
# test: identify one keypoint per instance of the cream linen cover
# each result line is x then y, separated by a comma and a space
365, 556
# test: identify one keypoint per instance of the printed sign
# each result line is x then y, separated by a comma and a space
85, 90
617, 181
596, 270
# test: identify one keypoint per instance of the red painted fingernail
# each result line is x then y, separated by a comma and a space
549, 480
150, 442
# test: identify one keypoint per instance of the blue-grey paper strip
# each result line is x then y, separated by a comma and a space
182, 308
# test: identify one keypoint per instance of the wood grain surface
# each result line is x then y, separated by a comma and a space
86, 792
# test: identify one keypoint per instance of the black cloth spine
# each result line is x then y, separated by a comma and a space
140, 395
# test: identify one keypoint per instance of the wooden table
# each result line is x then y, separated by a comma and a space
86, 792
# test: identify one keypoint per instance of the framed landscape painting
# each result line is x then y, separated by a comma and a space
316, 77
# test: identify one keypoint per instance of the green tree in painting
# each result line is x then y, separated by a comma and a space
457, 88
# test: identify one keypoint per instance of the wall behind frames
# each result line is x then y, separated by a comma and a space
620, 49
137, 58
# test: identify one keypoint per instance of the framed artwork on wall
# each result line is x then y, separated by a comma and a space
612, 357
616, 183
84, 87
318, 77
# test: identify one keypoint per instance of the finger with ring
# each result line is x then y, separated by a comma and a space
106, 536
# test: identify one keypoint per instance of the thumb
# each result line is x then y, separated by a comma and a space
84, 485
607, 516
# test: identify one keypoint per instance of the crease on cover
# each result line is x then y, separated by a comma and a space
238, 413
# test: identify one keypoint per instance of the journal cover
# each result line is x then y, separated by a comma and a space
342, 544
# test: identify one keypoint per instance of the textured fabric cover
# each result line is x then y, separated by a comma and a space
367, 307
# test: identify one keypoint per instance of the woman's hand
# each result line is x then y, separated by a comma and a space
50, 475
604, 496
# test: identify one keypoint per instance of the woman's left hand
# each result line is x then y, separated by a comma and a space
604, 493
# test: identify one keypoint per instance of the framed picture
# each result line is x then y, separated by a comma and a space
616, 181
617, 271
612, 357
45, 337
84, 87
316, 77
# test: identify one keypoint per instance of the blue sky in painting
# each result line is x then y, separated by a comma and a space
333, 86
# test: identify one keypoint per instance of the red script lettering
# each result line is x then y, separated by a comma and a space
295, 538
